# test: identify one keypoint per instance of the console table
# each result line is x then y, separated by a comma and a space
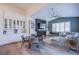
72, 44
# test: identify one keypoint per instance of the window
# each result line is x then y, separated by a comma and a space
53, 27
5, 22
10, 23
17, 22
14, 24
23, 24
57, 27
61, 27
20, 23
67, 26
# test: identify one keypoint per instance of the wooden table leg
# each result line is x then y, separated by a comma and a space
76, 44
68, 44
29, 44
22, 43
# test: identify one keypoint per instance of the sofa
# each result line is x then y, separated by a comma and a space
61, 40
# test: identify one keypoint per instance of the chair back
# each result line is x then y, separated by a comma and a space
23, 39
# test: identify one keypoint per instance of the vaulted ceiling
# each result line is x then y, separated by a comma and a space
29, 8
41, 10
26, 6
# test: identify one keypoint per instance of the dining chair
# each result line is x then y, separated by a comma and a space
23, 41
35, 41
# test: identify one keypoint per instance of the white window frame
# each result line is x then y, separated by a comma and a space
63, 27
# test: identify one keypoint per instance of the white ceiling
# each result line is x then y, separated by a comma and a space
26, 6
41, 10
61, 9
29, 8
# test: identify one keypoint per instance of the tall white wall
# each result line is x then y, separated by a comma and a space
1, 25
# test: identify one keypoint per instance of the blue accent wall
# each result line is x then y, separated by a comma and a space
74, 23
